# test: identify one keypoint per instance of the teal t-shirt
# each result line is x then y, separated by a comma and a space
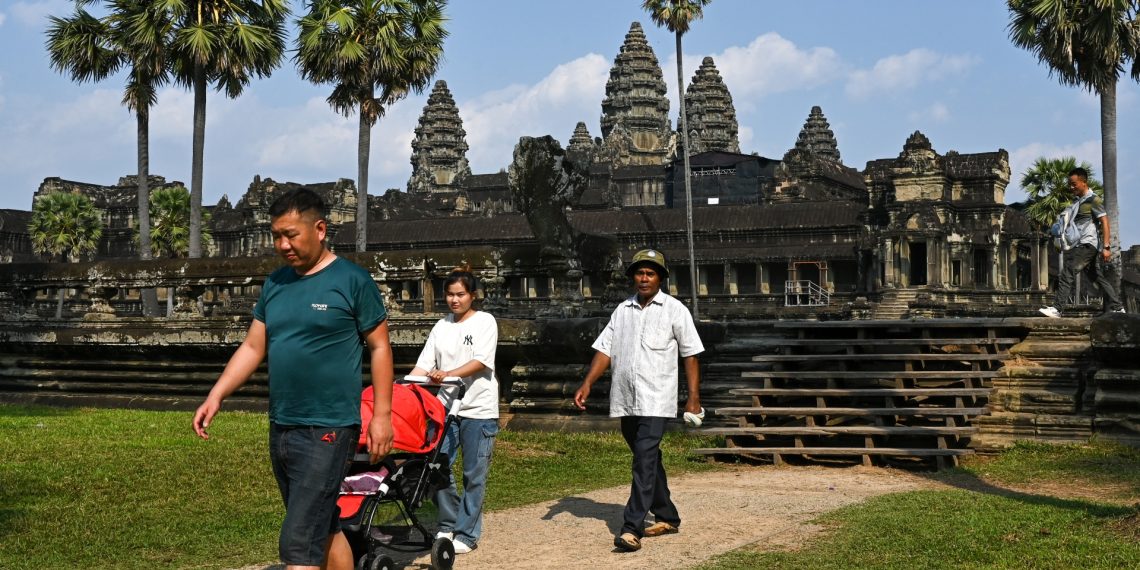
314, 324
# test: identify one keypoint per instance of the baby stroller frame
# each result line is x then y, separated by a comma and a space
411, 479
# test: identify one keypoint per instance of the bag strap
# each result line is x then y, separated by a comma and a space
1074, 209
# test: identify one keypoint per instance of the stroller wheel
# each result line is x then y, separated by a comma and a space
442, 554
365, 562
382, 562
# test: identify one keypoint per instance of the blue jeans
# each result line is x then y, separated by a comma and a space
309, 463
477, 438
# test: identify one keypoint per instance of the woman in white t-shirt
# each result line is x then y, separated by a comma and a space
463, 344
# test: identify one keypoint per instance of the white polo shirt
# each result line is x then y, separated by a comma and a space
643, 345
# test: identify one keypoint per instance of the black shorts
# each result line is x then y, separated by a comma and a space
310, 463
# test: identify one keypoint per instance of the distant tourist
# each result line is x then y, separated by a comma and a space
463, 344
1092, 254
310, 320
642, 342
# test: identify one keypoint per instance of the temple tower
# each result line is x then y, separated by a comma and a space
816, 137
439, 149
712, 117
580, 141
635, 112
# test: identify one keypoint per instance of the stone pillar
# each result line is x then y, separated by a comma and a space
730, 280
1035, 265
703, 280
889, 260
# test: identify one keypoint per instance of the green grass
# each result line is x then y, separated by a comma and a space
128, 489
982, 524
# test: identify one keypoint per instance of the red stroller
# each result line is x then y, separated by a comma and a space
378, 502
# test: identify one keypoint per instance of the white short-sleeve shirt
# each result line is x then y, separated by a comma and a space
451, 345
643, 345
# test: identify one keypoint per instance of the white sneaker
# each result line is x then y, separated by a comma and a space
1050, 312
1120, 310
445, 534
461, 547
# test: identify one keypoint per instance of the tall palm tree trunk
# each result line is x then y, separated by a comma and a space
688, 185
1108, 163
148, 295
364, 145
1108, 158
196, 161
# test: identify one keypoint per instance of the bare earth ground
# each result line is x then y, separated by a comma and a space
721, 511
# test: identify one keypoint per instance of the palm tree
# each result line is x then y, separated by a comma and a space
65, 224
374, 53
133, 34
170, 210
1047, 185
224, 42
1086, 43
676, 16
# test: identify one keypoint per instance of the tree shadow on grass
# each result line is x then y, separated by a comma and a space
969, 482
583, 508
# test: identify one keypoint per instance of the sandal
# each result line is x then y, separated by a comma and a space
627, 542
660, 528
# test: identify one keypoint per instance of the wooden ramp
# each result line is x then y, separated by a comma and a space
876, 392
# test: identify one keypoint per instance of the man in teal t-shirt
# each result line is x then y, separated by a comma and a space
313, 320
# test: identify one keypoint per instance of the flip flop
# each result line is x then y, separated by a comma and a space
627, 542
660, 528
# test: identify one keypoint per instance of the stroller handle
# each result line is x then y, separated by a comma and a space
418, 379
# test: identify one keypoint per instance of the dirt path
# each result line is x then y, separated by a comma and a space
721, 511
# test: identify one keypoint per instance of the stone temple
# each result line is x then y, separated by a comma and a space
925, 232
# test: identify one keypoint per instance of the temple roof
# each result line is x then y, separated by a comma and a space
14, 221
513, 228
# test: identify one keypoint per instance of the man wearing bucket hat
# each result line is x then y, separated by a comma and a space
642, 341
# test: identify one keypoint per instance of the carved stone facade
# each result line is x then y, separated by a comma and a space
710, 113
925, 232
439, 149
635, 112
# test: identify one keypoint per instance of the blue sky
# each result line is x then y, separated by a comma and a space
880, 69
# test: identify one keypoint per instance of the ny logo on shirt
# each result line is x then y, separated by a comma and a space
467, 341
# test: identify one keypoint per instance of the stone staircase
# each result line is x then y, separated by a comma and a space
901, 393
895, 304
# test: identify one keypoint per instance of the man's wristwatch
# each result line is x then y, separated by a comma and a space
1107, 248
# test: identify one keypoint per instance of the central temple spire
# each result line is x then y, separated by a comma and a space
635, 112
439, 149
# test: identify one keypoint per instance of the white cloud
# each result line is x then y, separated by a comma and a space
34, 14
935, 113
494, 121
1023, 158
907, 71
98, 113
772, 64
3, 17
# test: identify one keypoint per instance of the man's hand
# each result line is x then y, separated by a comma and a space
204, 416
1106, 255
581, 396
379, 437
693, 404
